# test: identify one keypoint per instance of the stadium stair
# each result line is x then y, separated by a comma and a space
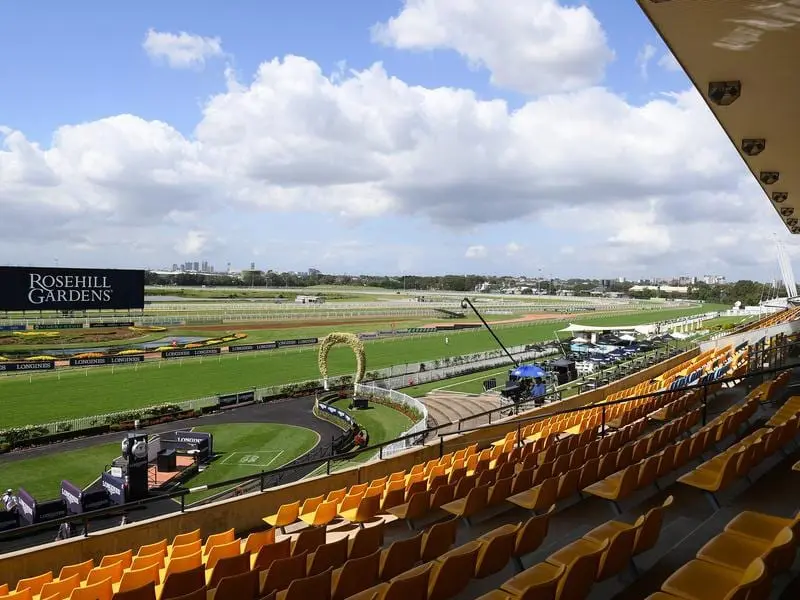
473, 541
449, 407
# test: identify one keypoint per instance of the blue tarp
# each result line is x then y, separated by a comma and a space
528, 371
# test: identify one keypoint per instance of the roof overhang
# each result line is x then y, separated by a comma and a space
742, 55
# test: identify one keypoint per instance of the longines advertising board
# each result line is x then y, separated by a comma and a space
43, 288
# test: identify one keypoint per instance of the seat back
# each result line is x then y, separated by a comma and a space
532, 533
394, 497
184, 563
224, 537
145, 592
112, 572
185, 549
34, 584
336, 495
270, 553
180, 583
62, 588
499, 491
496, 551
438, 539
780, 554
243, 586
325, 512
350, 502
453, 571
366, 541
400, 556
257, 539
316, 586
309, 540
311, 504
442, 495
186, 538
159, 547
580, 575
148, 560
568, 484
227, 567
124, 558
357, 575
410, 585
132, 579
648, 471
223, 550
328, 556
287, 514
753, 577
418, 505
101, 590
282, 572
368, 508
619, 553
648, 533
81, 569
476, 500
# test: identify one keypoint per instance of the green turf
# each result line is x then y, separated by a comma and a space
382, 423
275, 445
41, 476
249, 448
47, 397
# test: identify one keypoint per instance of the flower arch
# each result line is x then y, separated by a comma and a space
348, 339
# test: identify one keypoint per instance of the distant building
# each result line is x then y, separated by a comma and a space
309, 300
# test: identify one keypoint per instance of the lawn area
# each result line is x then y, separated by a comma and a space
41, 476
48, 397
245, 448
249, 448
382, 423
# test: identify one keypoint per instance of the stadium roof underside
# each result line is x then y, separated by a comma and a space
742, 56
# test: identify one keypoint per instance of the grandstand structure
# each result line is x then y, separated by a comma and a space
677, 482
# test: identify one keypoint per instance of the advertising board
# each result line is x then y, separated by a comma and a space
187, 352
273, 345
106, 360
48, 288
32, 365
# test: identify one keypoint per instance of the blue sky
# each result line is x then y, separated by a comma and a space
475, 208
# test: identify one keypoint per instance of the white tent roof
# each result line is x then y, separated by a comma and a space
574, 328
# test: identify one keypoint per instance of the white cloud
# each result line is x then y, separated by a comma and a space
181, 50
668, 62
513, 248
476, 252
536, 47
643, 58
610, 185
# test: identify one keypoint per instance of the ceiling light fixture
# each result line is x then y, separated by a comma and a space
724, 93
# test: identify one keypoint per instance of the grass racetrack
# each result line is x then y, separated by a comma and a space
382, 423
243, 449
66, 394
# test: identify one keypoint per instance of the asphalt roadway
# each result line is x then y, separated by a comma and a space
293, 411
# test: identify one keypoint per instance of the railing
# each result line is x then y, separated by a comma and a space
402, 399
266, 479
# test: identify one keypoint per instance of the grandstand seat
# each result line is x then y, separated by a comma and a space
367, 509
112, 572
452, 571
438, 539
309, 540
61, 588
3, 589
101, 590
366, 541
310, 505
497, 549
691, 581
185, 549
736, 552
328, 556
34, 584
179, 565
314, 586
538, 497
616, 487
216, 539
400, 556
356, 575
244, 586
323, 514
223, 550
282, 572
286, 515
180, 583
159, 547
270, 553
613, 560
134, 578
124, 558
411, 584
185, 538
226, 567
81, 569
21, 595
469, 506
415, 508
143, 562
336, 495
255, 541
145, 592
762, 526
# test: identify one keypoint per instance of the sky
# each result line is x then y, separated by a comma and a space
530, 137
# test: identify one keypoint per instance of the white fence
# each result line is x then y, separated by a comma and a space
398, 398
